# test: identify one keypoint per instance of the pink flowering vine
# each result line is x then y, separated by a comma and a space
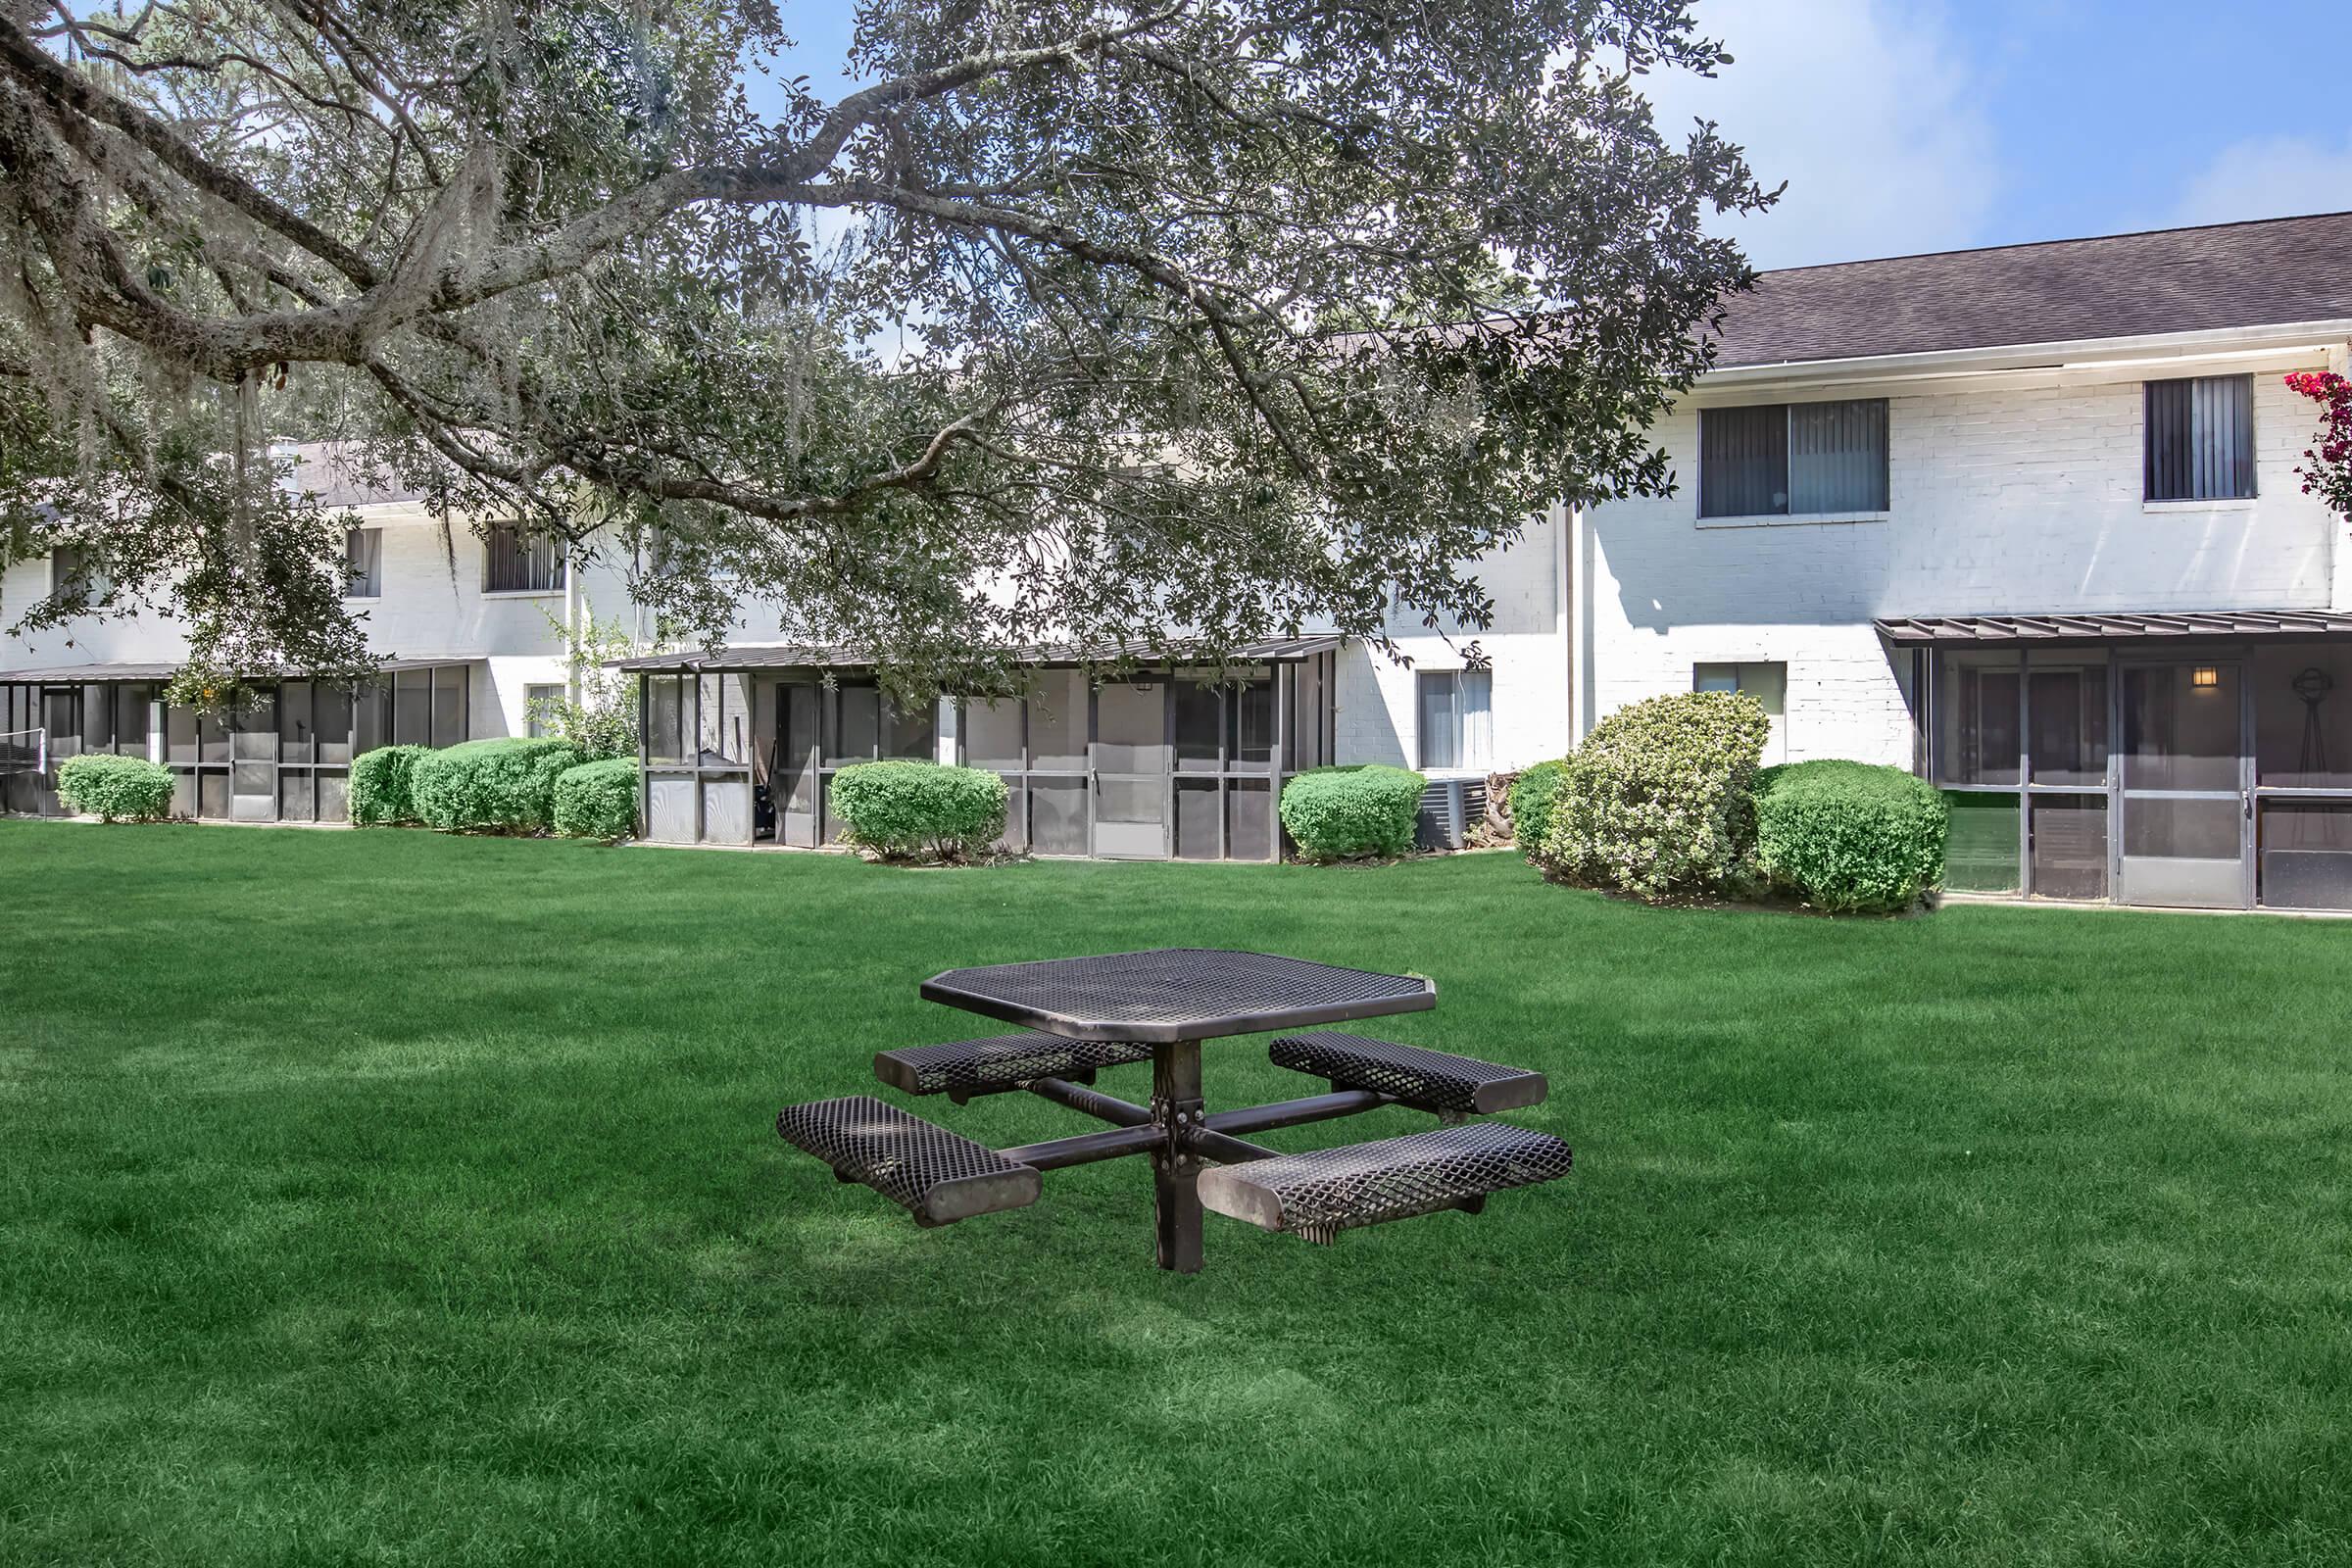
2326, 467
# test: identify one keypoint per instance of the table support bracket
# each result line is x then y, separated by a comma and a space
1176, 1113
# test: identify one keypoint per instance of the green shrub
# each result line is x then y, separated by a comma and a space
494, 786
115, 789
1847, 837
598, 799
1656, 802
1341, 813
380, 781
919, 811
1532, 794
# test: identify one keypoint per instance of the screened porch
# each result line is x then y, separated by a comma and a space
286, 758
2182, 761
742, 747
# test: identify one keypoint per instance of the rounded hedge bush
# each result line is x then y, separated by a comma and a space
919, 811
1847, 837
597, 800
1349, 812
380, 781
115, 789
1658, 801
1532, 794
493, 785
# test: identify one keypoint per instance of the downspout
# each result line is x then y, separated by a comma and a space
1563, 539
571, 631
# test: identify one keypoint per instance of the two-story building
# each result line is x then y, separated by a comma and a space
2024, 519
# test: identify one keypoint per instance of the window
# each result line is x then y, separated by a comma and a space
1792, 459
1768, 684
362, 563
75, 579
2200, 439
1457, 719
523, 563
538, 708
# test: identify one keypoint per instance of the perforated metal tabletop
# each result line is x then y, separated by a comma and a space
1171, 994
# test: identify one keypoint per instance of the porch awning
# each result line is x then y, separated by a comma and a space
790, 656
71, 674
1915, 631
87, 672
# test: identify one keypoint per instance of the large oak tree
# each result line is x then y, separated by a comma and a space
1056, 319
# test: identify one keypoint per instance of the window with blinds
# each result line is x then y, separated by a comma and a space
523, 563
1457, 719
1792, 459
362, 563
2200, 439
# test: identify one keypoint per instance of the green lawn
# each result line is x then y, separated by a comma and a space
390, 1197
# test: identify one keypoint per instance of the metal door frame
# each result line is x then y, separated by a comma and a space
2241, 663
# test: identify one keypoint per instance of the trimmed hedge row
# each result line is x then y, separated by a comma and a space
492, 786
1532, 796
381, 779
1658, 801
597, 800
115, 789
905, 810
1847, 837
1352, 813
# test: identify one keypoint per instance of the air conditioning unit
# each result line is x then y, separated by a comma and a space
1449, 809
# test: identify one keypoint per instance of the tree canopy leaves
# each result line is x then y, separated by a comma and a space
1067, 319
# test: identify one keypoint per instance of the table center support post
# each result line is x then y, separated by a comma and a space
1176, 1110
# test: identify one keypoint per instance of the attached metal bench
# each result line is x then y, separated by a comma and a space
963, 1068
1321, 1194
1428, 1080
937, 1175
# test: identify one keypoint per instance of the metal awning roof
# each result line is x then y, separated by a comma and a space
74, 672
805, 656
2113, 625
103, 673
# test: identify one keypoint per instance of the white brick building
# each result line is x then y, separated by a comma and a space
1925, 508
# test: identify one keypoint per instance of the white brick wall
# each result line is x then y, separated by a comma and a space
2014, 493
1378, 716
2009, 492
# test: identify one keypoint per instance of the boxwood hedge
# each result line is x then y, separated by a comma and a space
1847, 837
904, 810
1352, 812
1532, 794
1656, 802
115, 789
379, 785
493, 785
598, 799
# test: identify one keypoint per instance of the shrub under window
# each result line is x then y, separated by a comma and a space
381, 785
115, 789
492, 786
1352, 813
905, 809
1656, 802
597, 800
1847, 837
1532, 794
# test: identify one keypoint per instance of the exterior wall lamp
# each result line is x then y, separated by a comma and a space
2205, 677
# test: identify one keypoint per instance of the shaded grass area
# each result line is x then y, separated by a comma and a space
390, 1197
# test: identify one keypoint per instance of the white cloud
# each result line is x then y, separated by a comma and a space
2270, 176
1867, 108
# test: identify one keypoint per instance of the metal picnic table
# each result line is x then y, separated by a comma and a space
1084, 1014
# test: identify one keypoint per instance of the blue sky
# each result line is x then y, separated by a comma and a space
1908, 124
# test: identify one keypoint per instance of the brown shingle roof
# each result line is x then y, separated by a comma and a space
2274, 271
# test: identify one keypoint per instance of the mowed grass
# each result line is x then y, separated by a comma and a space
391, 1197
